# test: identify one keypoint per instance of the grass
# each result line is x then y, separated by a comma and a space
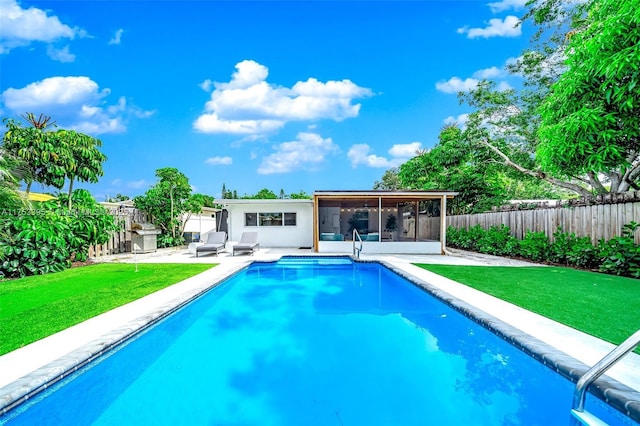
35, 307
604, 306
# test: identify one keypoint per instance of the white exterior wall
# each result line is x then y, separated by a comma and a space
300, 235
382, 247
202, 223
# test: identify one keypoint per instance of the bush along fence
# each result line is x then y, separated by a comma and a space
619, 255
49, 237
599, 218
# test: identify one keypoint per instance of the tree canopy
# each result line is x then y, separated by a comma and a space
573, 125
590, 122
51, 157
37, 146
167, 200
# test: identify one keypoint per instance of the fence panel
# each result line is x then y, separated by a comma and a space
120, 240
601, 221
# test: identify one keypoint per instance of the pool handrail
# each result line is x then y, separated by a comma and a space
580, 416
356, 249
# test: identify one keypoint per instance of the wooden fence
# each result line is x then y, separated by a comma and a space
597, 221
120, 241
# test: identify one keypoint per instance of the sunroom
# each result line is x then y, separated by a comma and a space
409, 222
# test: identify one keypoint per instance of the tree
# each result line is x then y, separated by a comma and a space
590, 122
166, 201
193, 205
85, 162
50, 157
389, 181
36, 145
300, 195
451, 166
263, 194
504, 127
576, 123
118, 198
507, 124
454, 164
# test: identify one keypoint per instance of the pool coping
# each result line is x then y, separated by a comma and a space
160, 304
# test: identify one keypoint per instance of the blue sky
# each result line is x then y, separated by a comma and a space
294, 95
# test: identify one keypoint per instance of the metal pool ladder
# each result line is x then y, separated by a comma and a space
580, 415
356, 250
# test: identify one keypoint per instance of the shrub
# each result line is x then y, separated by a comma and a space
47, 237
559, 249
465, 239
165, 240
34, 244
620, 255
498, 241
582, 253
535, 246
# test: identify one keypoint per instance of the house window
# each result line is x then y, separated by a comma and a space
290, 219
270, 219
251, 219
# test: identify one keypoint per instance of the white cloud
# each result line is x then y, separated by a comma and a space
211, 123
60, 55
117, 37
19, 27
249, 73
307, 152
400, 153
53, 91
74, 102
137, 184
248, 104
455, 85
206, 85
405, 151
503, 5
219, 161
460, 119
503, 86
489, 73
496, 28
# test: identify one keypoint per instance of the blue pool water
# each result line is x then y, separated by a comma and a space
312, 342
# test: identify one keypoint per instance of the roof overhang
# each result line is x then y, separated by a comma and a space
252, 201
405, 195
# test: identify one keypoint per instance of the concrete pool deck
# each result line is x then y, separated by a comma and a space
32, 366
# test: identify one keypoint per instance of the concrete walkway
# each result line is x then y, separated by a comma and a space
29, 367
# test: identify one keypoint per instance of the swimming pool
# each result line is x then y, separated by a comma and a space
312, 341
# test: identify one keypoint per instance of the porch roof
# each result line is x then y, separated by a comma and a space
401, 194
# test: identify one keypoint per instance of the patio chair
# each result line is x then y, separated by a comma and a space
215, 243
248, 243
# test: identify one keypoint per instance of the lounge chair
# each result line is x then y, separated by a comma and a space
248, 243
215, 243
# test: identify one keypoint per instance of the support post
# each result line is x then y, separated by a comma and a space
443, 224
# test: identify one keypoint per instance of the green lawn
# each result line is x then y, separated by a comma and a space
35, 307
604, 306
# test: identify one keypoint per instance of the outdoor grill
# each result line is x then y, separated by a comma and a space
144, 237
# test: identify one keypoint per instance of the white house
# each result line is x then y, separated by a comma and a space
279, 223
384, 221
